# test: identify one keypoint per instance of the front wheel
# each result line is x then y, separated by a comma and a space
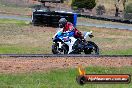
92, 48
62, 50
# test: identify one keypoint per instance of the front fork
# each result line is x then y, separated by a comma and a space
59, 45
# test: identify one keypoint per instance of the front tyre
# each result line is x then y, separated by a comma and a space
56, 50
92, 48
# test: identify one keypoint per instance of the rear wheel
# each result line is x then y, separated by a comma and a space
56, 50
92, 48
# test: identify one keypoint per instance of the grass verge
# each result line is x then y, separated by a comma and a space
117, 52
60, 78
14, 9
20, 37
13, 21
111, 41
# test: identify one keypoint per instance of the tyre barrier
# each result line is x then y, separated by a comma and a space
113, 19
52, 18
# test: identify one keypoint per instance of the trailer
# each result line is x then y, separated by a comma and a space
51, 19
45, 17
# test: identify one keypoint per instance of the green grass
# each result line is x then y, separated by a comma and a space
15, 49
13, 9
111, 41
13, 21
117, 52
18, 37
60, 78
21, 37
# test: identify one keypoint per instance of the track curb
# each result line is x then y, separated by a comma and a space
52, 55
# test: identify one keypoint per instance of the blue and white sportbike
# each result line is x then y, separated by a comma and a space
65, 43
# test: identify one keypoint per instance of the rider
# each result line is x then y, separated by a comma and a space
68, 26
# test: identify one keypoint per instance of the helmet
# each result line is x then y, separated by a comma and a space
62, 22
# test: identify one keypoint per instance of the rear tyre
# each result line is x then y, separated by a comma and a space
94, 49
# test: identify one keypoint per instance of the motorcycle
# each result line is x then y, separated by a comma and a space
65, 43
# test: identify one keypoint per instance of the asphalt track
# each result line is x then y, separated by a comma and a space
58, 55
106, 25
16, 17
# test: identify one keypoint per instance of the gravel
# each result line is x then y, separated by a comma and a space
25, 65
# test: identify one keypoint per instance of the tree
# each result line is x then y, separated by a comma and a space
124, 4
117, 8
87, 4
117, 5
